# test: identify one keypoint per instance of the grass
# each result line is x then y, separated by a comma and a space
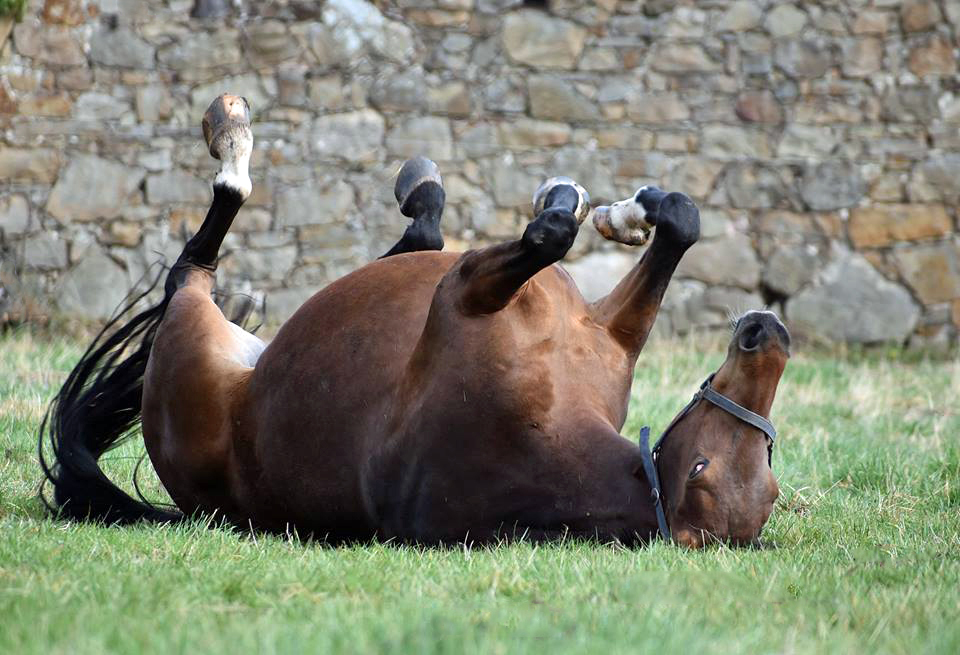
865, 552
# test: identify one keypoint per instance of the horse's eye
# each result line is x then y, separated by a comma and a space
698, 468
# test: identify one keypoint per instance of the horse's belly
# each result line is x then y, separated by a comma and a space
321, 392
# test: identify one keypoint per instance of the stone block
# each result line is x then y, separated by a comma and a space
740, 16
526, 132
269, 43
261, 263
31, 165
919, 15
862, 57
851, 302
94, 288
656, 108
200, 49
551, 98
832, 185
53, 44
452, 99
695, 176
726, 141
177, 186
755, 186
96, 106
879, 226
91, 187
121, 48
422, 135
933, 57
154, 103
871, 21
683, 58
803, 59
45, 251
807, 142
729, 261
536, 39
785, 20
937, 179
931, 270
512, 186
308, 205
790, 267
353, 136
759, 107
14, 215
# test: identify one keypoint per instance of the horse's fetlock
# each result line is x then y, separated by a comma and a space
552, 233
678, 220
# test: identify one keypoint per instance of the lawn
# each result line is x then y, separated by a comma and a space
863, 548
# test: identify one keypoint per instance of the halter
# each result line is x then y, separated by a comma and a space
651, 457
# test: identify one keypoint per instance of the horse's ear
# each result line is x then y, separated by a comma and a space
562, 192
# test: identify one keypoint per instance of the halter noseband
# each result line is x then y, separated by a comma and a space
651, 457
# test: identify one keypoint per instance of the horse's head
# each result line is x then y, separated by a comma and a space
714, 466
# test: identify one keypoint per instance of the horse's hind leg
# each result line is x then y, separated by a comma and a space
491, 276
226, 128
419, 192
195, 383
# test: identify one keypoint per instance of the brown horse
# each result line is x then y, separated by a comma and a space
428, 396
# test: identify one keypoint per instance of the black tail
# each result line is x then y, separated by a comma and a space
95, 410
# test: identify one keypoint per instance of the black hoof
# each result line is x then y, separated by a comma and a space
551, 234
419, 192
419, 188
678, 219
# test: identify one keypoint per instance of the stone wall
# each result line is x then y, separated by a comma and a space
821, 140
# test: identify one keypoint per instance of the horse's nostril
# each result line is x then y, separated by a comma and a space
752, 336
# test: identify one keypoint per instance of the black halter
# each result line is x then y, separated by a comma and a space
650, 458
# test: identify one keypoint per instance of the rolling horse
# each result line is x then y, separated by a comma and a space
427, 397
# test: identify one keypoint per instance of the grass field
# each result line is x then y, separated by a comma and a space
863, 556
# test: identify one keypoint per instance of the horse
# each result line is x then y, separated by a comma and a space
427, 397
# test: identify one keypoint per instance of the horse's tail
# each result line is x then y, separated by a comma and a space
99, 404
95, 410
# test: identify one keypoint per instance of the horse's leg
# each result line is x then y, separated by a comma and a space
173, 364
490, 277
630, 309
195, 382
419, 192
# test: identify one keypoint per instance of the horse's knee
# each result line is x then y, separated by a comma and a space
551, 234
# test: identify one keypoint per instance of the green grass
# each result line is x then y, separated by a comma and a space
864, 556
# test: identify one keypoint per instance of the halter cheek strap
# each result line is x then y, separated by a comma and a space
651, 472
650, 457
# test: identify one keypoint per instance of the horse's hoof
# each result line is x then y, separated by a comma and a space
225, 118
562, 192
226, 129
419, 187
629, 221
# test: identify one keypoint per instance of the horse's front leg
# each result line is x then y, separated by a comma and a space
492, 276
630, 310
